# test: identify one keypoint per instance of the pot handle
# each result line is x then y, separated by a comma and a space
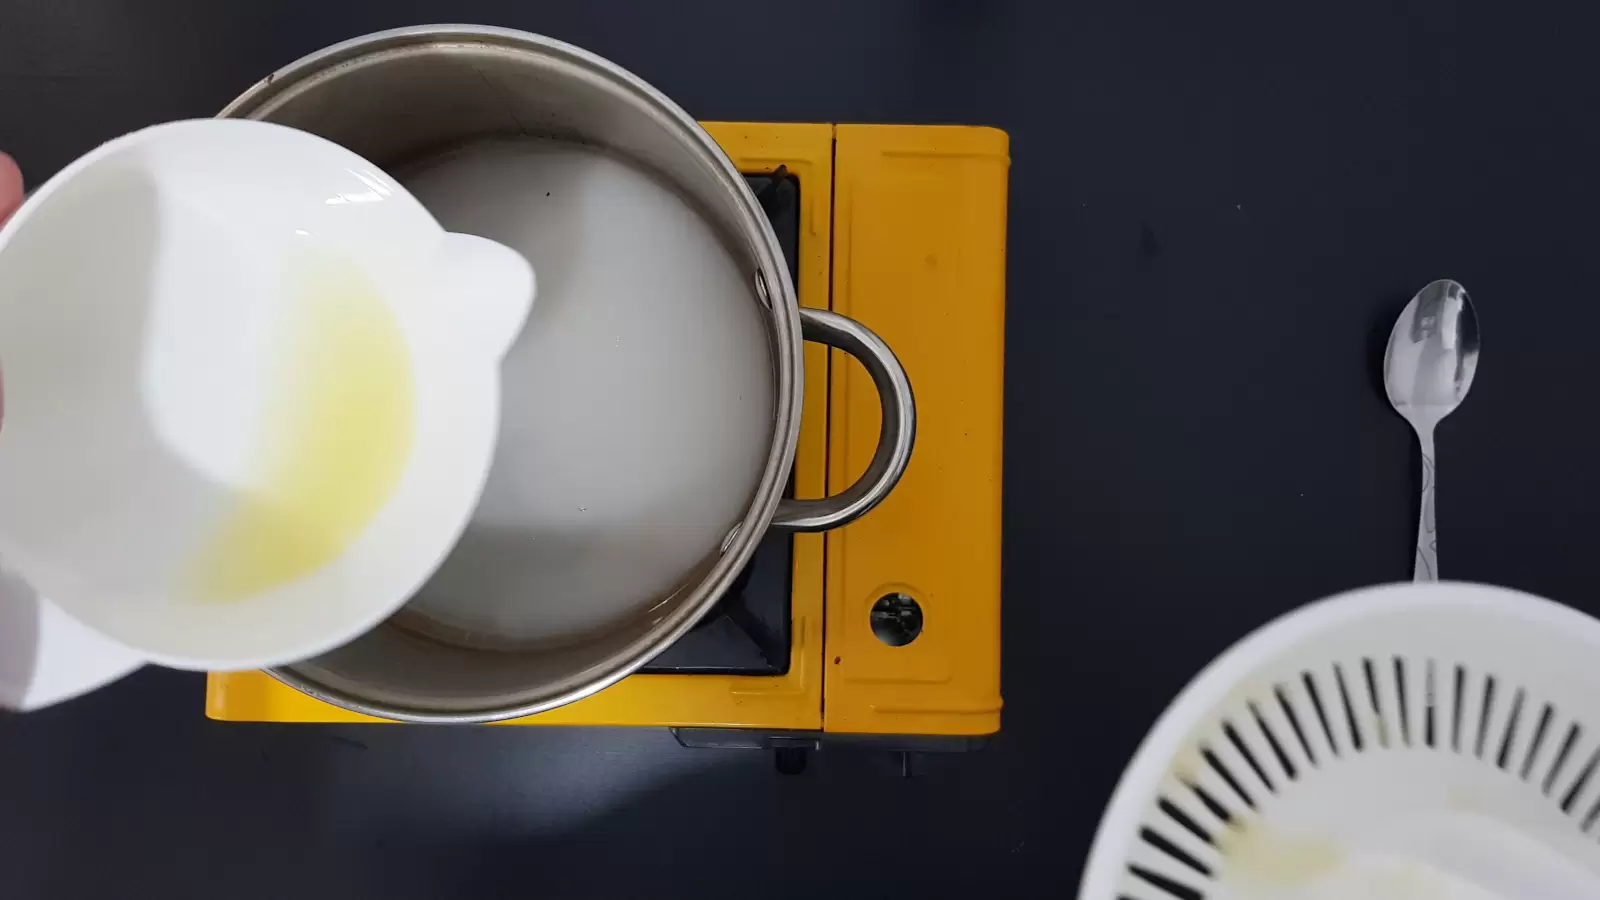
895, 437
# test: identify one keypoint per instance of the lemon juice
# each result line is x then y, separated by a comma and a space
332, 440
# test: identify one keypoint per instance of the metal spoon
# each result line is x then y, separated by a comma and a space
1433, 352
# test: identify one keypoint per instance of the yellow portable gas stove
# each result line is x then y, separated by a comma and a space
885, 631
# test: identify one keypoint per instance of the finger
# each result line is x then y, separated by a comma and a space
10, 186
10, 199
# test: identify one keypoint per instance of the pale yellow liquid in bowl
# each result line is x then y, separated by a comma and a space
333, 439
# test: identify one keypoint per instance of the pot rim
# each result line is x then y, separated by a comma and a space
772, 288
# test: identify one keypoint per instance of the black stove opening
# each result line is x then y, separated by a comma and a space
748, 631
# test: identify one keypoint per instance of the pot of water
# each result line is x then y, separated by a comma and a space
650, 408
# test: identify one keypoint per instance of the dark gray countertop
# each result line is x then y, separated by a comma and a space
1214, 218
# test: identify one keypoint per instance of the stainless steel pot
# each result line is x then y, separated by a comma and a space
399, 96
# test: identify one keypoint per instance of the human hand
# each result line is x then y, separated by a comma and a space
10, 187
10, 199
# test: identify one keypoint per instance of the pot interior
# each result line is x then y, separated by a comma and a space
406, 98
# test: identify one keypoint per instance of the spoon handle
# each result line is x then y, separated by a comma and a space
1427, 532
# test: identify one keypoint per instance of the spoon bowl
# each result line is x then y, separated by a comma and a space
1427, 371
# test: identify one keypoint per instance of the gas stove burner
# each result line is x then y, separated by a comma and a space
904, 230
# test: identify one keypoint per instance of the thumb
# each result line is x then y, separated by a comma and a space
10, 186
10, 199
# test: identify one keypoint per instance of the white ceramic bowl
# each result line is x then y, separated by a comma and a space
171, 304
